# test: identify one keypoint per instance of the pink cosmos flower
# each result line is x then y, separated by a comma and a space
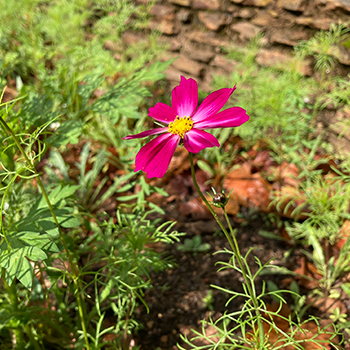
185, 123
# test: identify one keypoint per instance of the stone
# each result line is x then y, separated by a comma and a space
221, 61
184, 64
207, 85
306, 21
263, 19
150, 324
330, 5
164, 338
206, 4
246, 12
164, 12
271, 58
344, 4
237, 1
232, 8
322, 23
261, 3
186, 3
293, 5
184, 16
197, 54
342, 145
341, 54
163, 26
209, 38
171, 44
214, 20
168, 56
173, 74
131, 38
246, 30
288, 36
283, 61
336, 123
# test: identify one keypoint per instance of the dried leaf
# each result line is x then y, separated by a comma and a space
251, 189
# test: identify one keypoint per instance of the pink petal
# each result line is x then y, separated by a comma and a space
228, 118
146, 133
162, 113
195, 140
212, 104
185, 97
155, 156
148, 151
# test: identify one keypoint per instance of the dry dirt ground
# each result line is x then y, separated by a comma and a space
178, 300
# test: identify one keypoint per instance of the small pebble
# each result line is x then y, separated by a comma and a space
150, 324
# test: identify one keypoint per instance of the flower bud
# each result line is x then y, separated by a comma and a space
219, 200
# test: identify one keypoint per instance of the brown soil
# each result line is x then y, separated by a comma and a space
176, 302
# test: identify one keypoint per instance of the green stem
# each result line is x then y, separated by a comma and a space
236, 251
31, 337
73, 266
207, 203
12, 293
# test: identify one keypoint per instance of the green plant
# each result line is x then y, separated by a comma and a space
254, 317
34, 38
22, 239
323, 46
125, 262
323, 202
42, 226
337, 316
208, 300
194, 245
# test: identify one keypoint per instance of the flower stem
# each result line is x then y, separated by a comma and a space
236, 251
73, 266
207, 203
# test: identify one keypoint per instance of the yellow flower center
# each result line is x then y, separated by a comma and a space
180, 126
